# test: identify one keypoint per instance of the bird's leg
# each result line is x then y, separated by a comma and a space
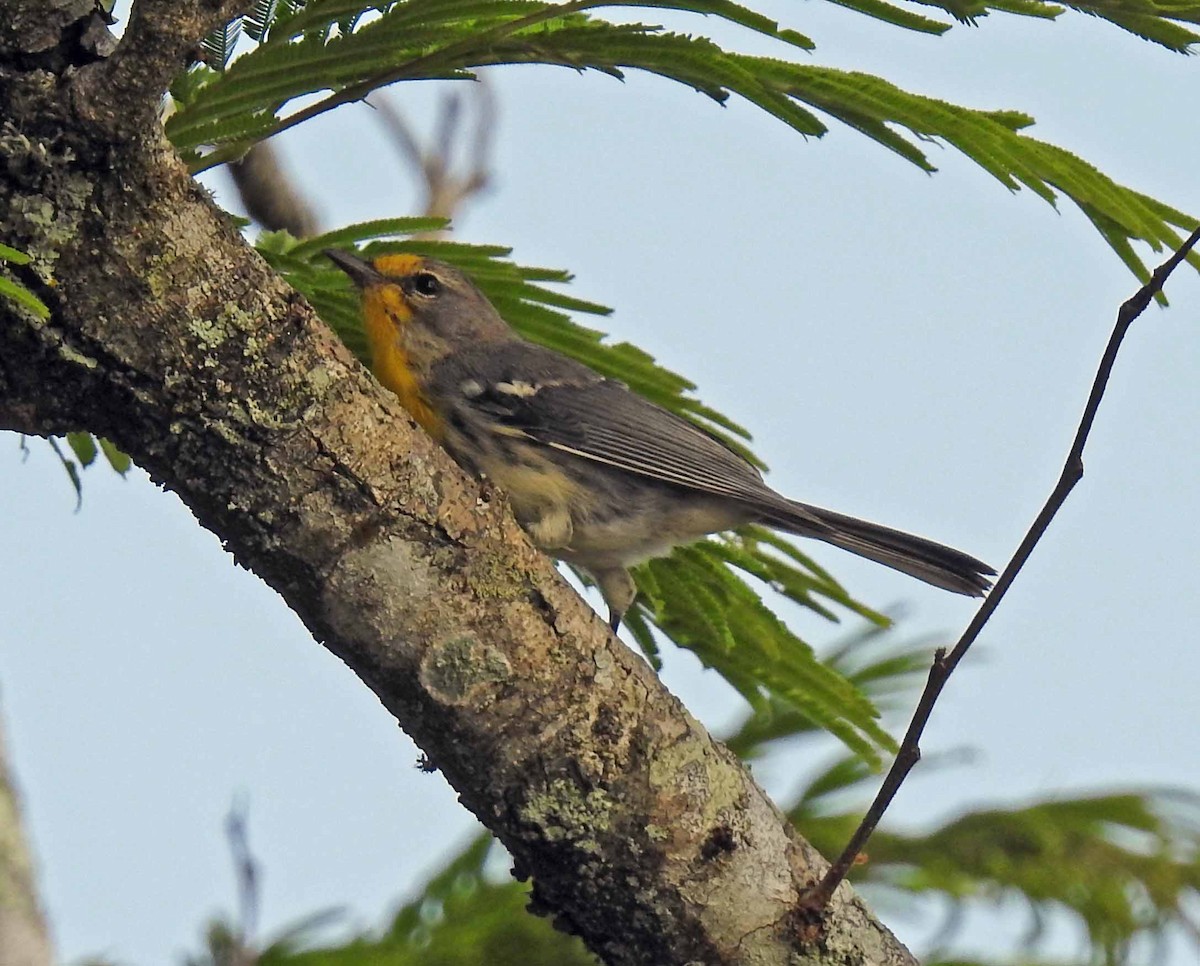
619, 590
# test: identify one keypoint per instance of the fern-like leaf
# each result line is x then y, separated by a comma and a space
325, 46
218, 45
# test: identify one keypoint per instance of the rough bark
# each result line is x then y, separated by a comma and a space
172, 337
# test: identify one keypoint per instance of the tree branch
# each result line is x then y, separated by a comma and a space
445, 191
123, 90
270, 195
24, 937
944, 664
169, 335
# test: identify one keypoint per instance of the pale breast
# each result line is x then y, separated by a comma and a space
652, 519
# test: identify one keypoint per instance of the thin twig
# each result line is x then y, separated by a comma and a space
944, 664
398, 129
245, 868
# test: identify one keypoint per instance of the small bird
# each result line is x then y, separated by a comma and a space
597, 475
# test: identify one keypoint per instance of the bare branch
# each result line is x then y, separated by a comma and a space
245, 868
269, 193
445, 191
397, 126
272, 198
943, 663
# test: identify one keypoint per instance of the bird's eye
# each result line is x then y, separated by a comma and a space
427, 284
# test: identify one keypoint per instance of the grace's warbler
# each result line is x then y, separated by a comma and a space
596, 474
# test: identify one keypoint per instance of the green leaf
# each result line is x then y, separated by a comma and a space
842, 774
462, 915
8, 254
885, 672
1124, 863
365, 231
116, 459
187, 85
323, 46
638, 626
16, 291
83, 446
220, 42
70, 468
416, 40
699, 603
889, 13
20, 294
1148, 19
259, 18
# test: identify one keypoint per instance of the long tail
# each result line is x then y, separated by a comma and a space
931, 562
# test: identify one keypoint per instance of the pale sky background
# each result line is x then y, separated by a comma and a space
910, 348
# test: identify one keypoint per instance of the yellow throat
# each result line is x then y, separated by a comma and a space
385, 313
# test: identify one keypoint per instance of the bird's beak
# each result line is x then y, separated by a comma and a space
362, 273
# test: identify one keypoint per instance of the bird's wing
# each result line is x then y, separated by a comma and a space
559, 403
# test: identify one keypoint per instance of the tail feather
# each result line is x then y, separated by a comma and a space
931, 562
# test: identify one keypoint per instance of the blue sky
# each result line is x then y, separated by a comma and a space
910, 348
